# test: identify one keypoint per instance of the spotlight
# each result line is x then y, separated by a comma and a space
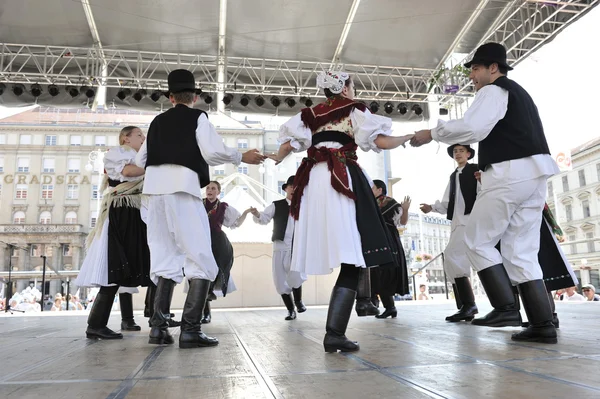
208, 99
89, 92
36, 90
245, 100
443, 111
2, 88
388, 107
18, 89
275, 101
290, 102
417, 109
138, 95
308, 102
123, 94
156, 95
374, 107
53, 90
73, 91
259, 101
198, 92
402, 108
227, 98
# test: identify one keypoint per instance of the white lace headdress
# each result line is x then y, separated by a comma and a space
334, 81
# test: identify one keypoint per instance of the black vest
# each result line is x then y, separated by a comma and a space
280, 219
172, 140
468, 188
519, 134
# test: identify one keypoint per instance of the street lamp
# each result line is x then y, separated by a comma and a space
96, 159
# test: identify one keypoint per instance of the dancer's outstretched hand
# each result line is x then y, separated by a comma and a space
406, 203
253, 157
421, 137
426, 208
274, 157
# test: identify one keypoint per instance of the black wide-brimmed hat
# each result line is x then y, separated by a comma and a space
490, 53
181, 80
290, 181
467, 146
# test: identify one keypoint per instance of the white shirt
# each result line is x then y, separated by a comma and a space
169, 179
458, 218
266, 216
574, 297
488, 108
115, 161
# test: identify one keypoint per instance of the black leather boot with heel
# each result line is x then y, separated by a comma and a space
298, 300
191, 327
100, 313
159, 322
364, 306
289, 304
539, 313
499, 290
466, 298
390, 308
338, 316
127, 321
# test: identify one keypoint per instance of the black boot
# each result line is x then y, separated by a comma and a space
364, 306
539, 313
390, 308
100, 313
555, 320
289, 304
191, 327
464, 292
298, 300
338, 316
456, 297
207, 316
159, 323
149, 301
500, 292
127, 321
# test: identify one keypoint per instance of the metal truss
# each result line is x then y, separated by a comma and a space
21, 63
526, 25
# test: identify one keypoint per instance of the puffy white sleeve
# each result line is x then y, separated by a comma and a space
266, 215
367, 127
294, 131
116, 159
442, 206
231, 217
213, 150
397, 216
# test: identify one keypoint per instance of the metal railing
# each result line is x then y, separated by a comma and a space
414, 280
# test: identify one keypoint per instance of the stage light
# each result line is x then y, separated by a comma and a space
156, 95
402, 108
2, 88
388, 107
374, 107
259, 101
138, 95
227, 98
208, 99
290, 102
245, 100
198, 92
53, 90
73, 91
306, 101
36, 90
417, 109
275, 101
123, 94
444, 111
18, 89
89, 92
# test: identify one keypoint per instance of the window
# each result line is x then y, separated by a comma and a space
93, 219
582, 178
19, 217
100, 141
2, 139
220, 170
94, 191
25, 139
36, 250
586, 208
243, 169
21, 191
47, 191
573, 246
73, 165
565, 182
23, 165
590, 244
50, 140
48, 165
71, 218
1, 165
242, 143
67, 251
569, 212
550, 189
72, 191
75, 140
280, 183
45, 217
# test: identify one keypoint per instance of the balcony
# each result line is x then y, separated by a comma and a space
40, 228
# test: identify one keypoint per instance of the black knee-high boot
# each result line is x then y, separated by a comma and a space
364, 306
127, 321
289, 304
206, 317
298, 300
464, 292
159, 323
500, 292
555, 320
191, 325
338, 316
100, 313
539, 313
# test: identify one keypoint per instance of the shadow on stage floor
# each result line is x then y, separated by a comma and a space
260, 355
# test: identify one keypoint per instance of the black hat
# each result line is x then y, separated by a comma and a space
467, 146
181, 80
289, 181
490, 53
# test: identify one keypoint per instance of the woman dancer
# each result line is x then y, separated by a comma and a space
338, 223
117, 252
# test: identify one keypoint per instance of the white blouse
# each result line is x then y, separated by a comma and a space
115, 161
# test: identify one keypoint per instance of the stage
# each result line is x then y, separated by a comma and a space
260, 355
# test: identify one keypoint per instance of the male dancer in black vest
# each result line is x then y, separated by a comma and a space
180, 145
457, 204
515, 161
286, 281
